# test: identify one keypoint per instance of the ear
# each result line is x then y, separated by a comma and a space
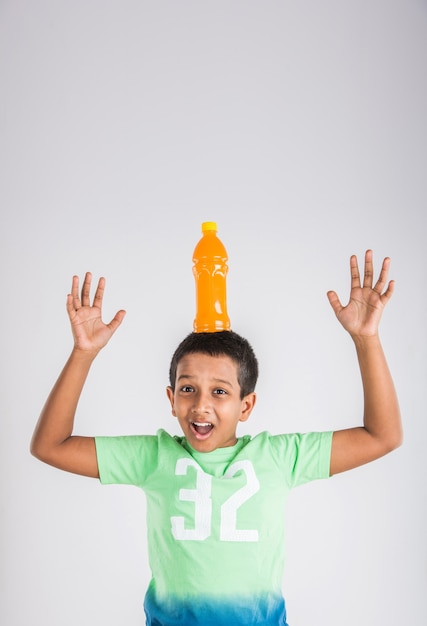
248, 404
171, 396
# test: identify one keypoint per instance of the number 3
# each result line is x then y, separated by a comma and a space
201, 496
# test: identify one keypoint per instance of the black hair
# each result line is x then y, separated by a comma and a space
221, 343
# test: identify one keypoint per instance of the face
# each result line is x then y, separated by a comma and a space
207, 401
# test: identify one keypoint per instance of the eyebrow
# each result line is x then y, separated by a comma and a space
222, 381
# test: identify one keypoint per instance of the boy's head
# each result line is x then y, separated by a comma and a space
224, 343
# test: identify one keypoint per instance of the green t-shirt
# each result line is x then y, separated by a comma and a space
215, 520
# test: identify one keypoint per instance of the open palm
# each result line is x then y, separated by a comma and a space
362, 314
89, 331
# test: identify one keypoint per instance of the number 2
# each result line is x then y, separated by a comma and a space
228, 531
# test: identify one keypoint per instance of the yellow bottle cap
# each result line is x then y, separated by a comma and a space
209, 226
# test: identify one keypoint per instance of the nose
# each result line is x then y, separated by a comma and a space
201, 404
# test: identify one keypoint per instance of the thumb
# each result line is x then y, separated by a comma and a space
117, 320
334, 301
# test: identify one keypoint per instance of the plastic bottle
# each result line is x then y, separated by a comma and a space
210, 271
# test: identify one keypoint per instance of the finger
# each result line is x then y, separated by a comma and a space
334, 301
99, 293
354, 271
116, 321
86, 289
75, 293
382, 279
369, 270
70, 305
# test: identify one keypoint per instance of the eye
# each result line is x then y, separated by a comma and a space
187, 389
219, 392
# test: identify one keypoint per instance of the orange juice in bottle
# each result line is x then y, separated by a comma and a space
210, 271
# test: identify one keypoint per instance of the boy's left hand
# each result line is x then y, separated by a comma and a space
363, 312
381, 431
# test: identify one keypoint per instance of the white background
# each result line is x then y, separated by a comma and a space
300, 127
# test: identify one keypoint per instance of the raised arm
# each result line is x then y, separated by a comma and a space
52, 440
381, 431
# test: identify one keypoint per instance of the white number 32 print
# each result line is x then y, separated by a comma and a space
201, 496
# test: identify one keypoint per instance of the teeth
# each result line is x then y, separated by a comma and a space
202, 424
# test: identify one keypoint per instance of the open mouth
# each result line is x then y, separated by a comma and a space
202, 430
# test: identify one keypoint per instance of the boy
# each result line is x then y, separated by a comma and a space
214, 501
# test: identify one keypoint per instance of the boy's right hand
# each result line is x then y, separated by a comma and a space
53, 441
90, 333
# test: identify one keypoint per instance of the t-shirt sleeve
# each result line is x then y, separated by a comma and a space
126, 460
303, 457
